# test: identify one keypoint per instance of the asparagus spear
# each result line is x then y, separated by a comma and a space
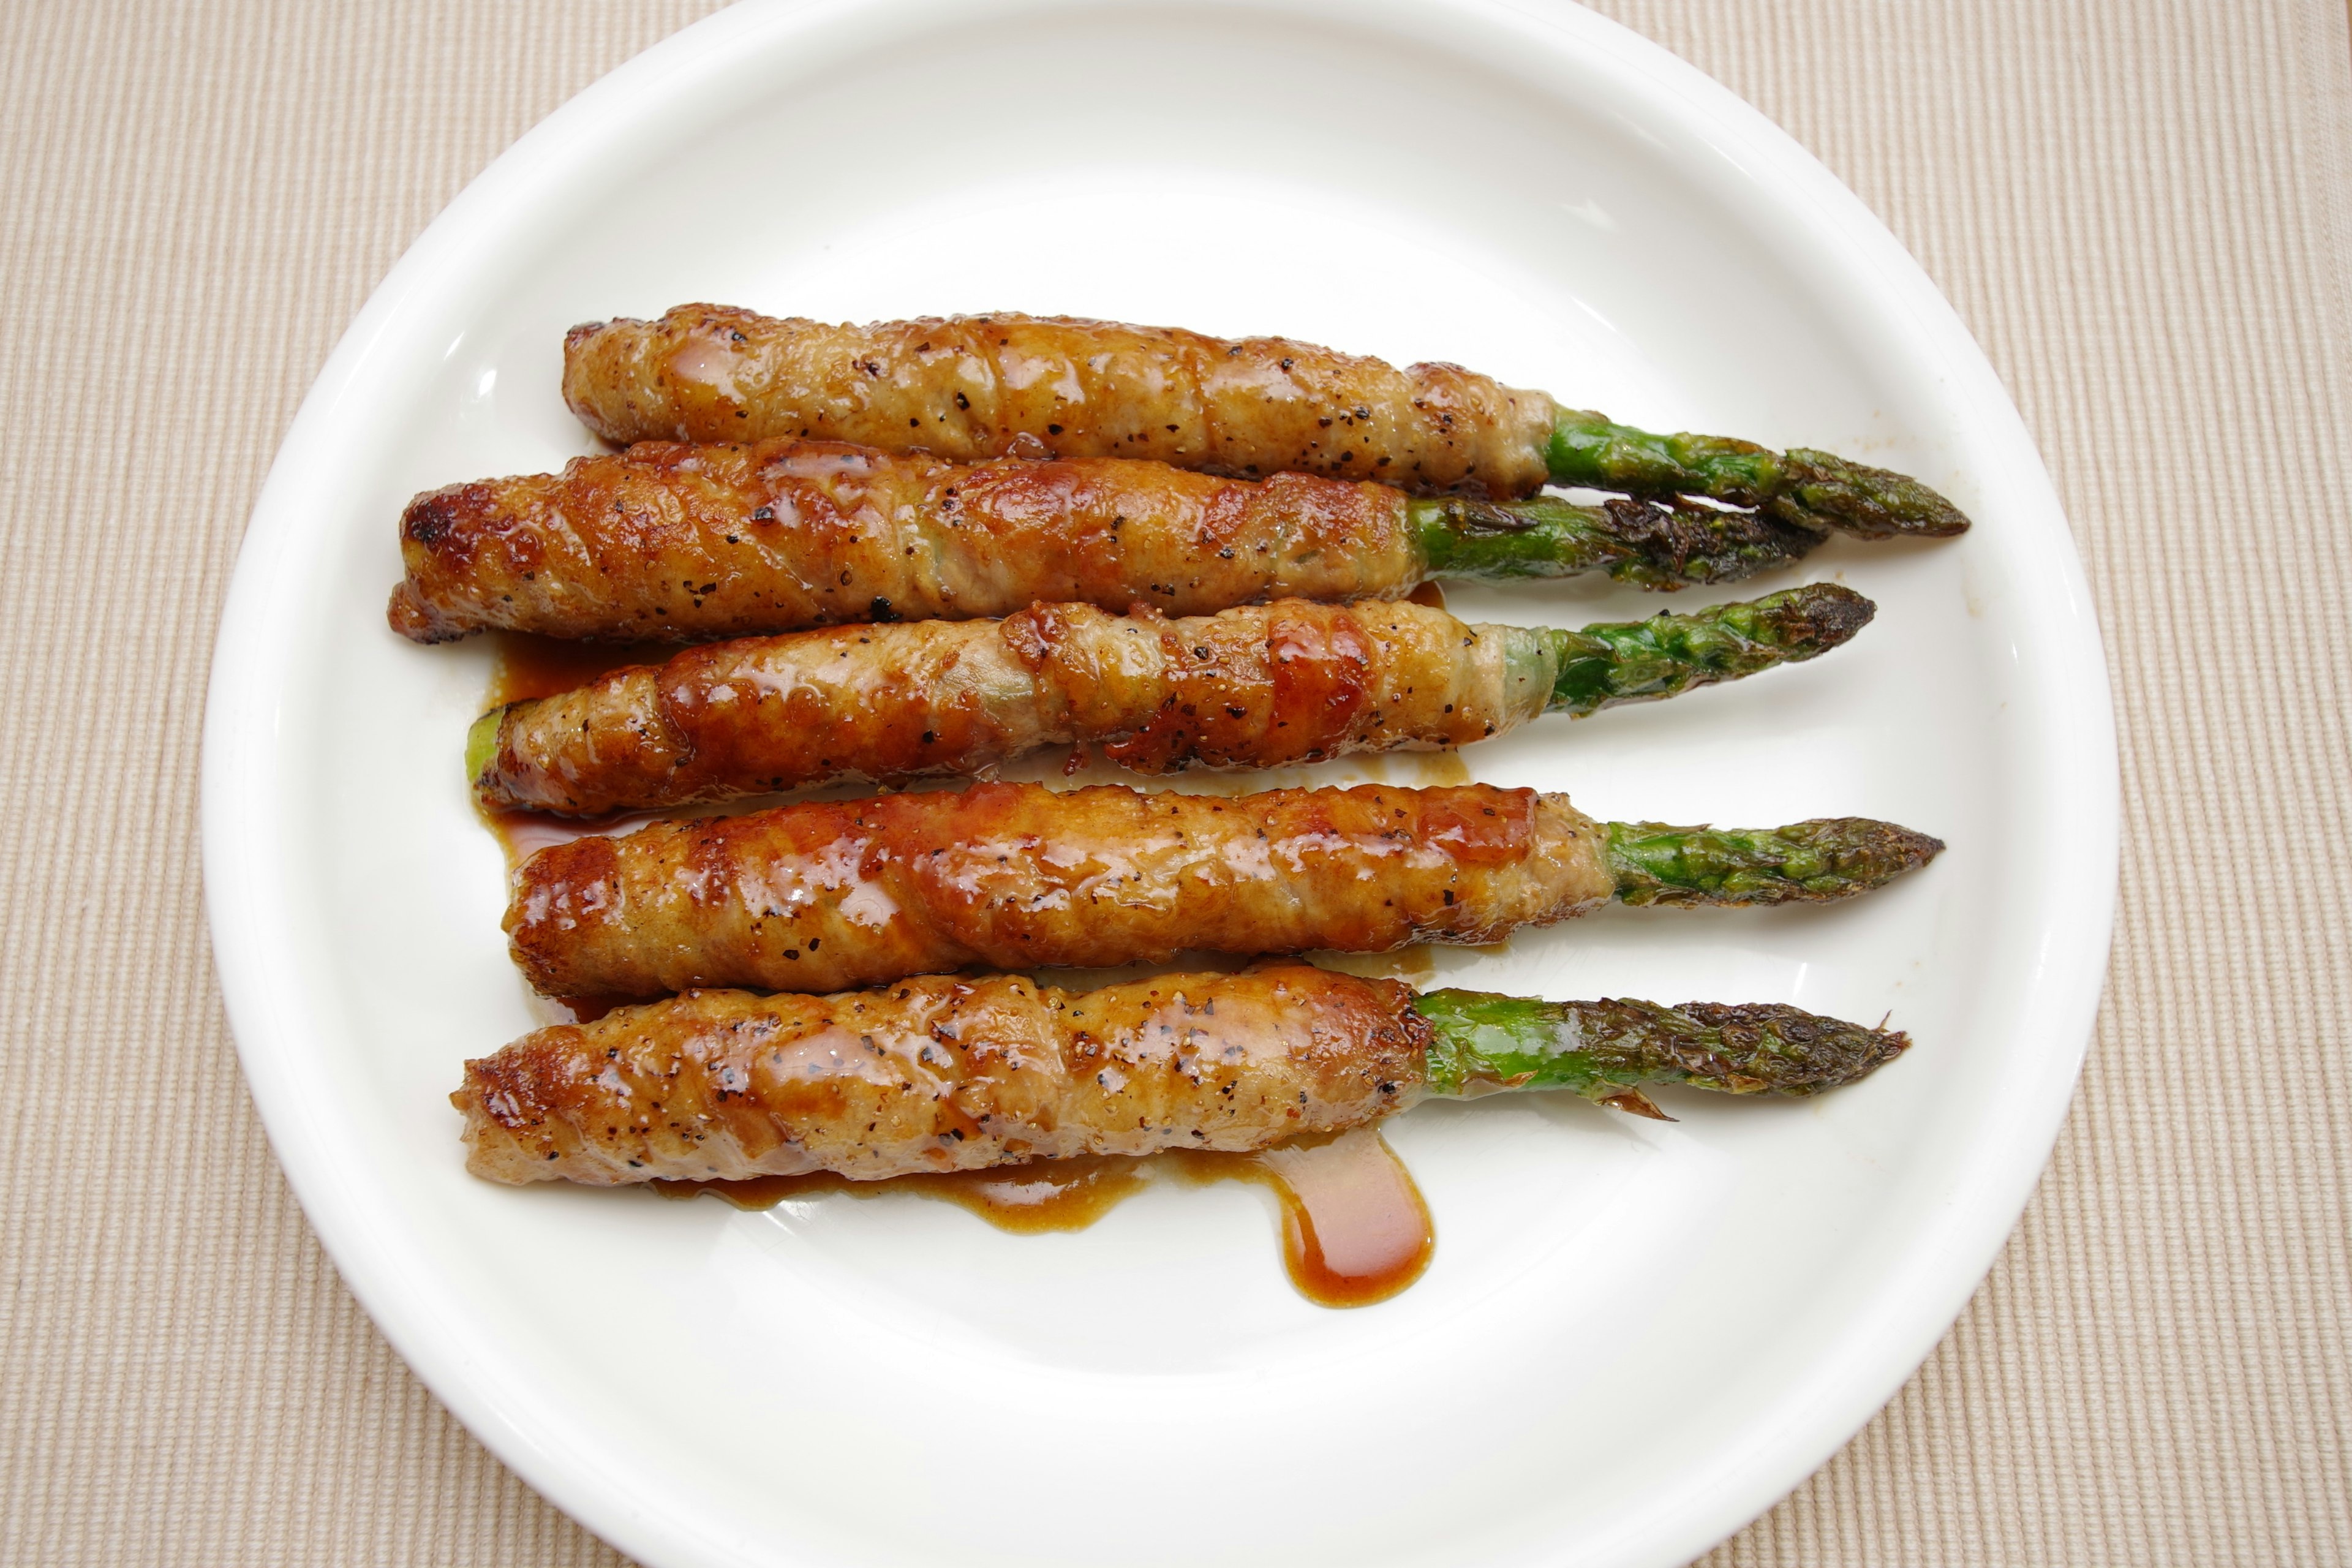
1806, 489
1643, 544
979, 386
690, 543
963, 1073
1634, 661
1607, 1050
827, 895
1261, 686
1827, 858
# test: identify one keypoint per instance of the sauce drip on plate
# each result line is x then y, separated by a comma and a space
1354, 1227
528, 665
525, 667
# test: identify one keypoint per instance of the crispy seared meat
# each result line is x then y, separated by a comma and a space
969, 387
670, 541
828, 896
1263, 686
942, 1075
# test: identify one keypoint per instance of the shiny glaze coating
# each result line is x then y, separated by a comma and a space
967, 388
827, 896
679, 542
941, 1075
1262, 686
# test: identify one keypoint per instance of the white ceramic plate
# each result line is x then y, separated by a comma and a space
1634, 1336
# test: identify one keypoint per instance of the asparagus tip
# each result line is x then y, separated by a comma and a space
1604, 1049
1657, 544
1770, 1046
1634, 661
1822, 489
1818, 617
1805, 862
1806, 489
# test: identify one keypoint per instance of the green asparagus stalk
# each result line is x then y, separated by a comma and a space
1808, 490
1634, 661
1645, 544
1806, 862
1607, 1050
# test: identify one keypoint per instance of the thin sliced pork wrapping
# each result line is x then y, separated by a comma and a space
827, 896
1261, 686
969, 387
941, 1075
957, 1075
667, 542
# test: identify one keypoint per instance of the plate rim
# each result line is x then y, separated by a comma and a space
240, 866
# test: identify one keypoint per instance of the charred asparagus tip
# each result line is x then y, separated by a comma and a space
1803, 488
1647, 544
1827, 858
1823, 489
1634, 660
482, 743
1604, 1049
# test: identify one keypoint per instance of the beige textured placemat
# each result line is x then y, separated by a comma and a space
2141, 207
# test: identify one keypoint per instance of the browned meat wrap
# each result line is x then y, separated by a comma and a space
680, 542
957, 1075
969, 387
834, 895
941, 1075
1262, 686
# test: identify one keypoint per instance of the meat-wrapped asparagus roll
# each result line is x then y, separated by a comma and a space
827, 896
678, 542
1263, 686
959, 1075
967, 388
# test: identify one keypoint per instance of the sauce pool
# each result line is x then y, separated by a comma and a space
1354, 1227
528, 665
525, 665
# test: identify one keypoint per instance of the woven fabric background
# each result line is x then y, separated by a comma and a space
2142, 208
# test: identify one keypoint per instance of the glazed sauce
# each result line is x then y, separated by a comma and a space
523, 834
1428, 594
1416, 770
586, 1009
1081, 768
1436, 767
1354, 1227
528, 665
1052, 1194
1415, 965
525, 667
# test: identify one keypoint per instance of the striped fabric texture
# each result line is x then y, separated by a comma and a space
2142, 208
